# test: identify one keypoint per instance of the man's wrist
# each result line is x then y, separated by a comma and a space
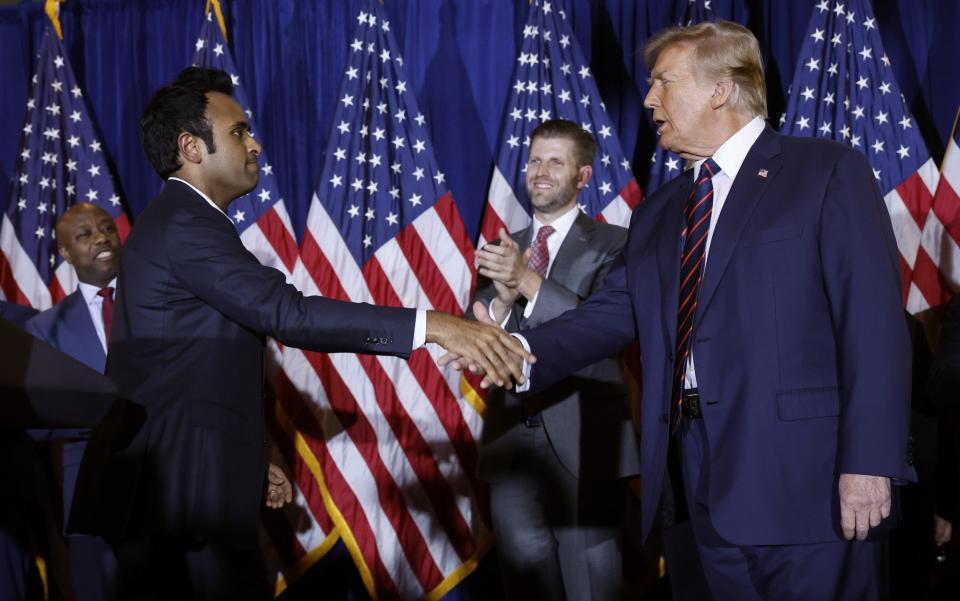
529, 284
499, 309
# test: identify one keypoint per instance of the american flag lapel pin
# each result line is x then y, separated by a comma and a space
762, 173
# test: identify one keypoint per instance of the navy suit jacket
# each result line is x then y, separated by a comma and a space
801, 350
16, 314
68, 327
187, 342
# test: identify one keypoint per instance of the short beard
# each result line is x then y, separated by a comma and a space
560, 198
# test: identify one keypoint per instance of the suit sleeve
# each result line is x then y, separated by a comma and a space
208, 258
860, 267
554, 300
600, 327
32, 327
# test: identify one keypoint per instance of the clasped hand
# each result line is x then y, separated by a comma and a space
507, 267
480, 346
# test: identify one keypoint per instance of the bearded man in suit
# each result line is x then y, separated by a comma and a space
557, 462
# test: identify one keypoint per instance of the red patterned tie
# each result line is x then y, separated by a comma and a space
107, 311
540, 259
697, 215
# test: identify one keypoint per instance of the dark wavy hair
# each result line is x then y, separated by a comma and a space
180, 106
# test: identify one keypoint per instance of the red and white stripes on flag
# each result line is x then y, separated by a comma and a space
844, 89
60, 163
394, 441
937, 269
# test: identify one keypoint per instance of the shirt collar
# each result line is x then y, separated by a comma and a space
731, 154
561, 225
89, 291
202, 195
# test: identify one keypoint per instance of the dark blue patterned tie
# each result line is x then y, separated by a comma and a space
697, 214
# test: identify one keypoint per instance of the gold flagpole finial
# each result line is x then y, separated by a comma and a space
219, 14
52, 9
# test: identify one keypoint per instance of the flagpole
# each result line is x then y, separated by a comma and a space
52, 9
219, 13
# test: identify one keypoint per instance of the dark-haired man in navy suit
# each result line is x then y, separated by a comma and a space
193, 308
87, 238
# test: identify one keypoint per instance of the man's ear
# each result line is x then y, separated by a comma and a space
65, 254
722, 92
188, 147
583, 176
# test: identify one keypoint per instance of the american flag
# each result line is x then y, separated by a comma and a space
260, 216
394, 441
553, 81
941, 232
61, 162
299, 537
844, 89
666, 165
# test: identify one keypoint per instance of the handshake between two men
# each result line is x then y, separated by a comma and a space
482, 346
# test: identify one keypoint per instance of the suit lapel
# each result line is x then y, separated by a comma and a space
747, 190
668, 256
79, 325
572, 251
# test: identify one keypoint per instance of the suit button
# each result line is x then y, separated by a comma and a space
665, 417
670, 357
910, 450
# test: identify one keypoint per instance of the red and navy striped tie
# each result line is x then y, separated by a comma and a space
697, 214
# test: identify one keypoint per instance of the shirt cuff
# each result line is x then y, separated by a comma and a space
420, 329
503, 324
528, 310
526, 366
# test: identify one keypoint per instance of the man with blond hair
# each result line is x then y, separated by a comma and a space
763, 286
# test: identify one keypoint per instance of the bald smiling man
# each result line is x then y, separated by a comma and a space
79, 326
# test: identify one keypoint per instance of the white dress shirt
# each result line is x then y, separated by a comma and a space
420, 325
729, 157
94, 302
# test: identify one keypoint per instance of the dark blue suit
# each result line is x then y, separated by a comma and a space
801, 351
193, 306
15, 565
68, 327
16, 314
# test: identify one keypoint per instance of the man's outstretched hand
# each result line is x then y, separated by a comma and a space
480, 345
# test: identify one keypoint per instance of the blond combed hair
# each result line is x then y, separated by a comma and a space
722, 50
